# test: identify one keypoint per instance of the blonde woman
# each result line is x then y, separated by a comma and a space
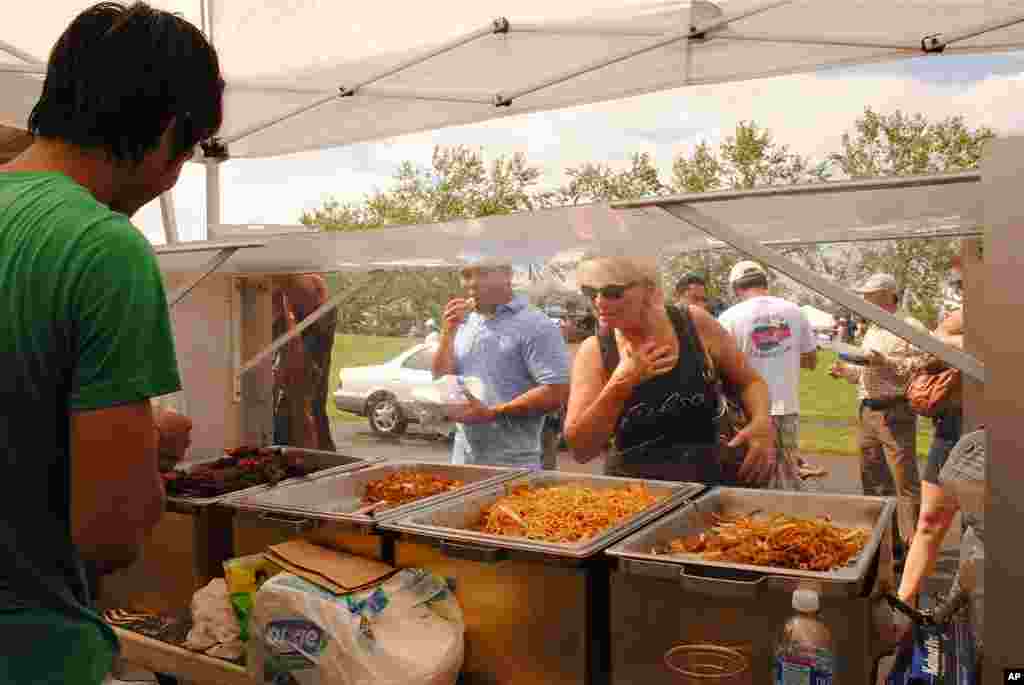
643, 380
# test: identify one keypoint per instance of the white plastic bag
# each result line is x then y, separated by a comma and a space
215, 628
407, 630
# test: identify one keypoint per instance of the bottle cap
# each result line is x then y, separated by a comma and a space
805, 601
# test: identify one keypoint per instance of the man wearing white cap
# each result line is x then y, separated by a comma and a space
778, 340
888, 428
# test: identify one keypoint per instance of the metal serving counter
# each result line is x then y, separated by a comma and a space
535, 612
659, 601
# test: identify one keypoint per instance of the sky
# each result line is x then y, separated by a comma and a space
807, 112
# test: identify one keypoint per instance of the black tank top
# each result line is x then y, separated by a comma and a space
668, 428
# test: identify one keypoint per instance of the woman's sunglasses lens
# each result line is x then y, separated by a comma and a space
609, 292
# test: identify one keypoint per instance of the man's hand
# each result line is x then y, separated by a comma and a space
455, 313
472, 411
837, 370
174, 433
876, 358
759, 436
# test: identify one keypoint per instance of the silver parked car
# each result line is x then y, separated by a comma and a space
384, 393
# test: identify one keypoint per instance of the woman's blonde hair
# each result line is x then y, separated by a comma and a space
600, 270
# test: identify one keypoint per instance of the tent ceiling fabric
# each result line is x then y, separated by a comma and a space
283, 56
935, 210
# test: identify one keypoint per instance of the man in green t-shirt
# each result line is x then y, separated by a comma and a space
85, 335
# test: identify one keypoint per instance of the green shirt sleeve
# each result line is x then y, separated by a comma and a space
124, 344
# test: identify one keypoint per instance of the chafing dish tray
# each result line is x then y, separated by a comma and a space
452, 521
339, 496
321, 462
636, 552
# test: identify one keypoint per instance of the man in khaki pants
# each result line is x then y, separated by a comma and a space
888, 429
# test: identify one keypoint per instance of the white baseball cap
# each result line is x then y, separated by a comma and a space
877, 283
746, 269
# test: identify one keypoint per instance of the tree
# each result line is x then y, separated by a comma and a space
899, 145
747, 159
459, 184
600, 183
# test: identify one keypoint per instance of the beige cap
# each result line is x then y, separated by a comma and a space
877, 283
746, 269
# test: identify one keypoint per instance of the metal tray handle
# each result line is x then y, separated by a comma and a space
299, 524
464, 552
720, 587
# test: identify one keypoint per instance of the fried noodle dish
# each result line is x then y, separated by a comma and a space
563, 513
402, 487
780, 541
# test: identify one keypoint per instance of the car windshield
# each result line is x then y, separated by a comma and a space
421, 361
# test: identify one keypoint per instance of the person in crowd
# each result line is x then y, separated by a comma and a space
960, 487
303, 365
645, 382
519, 356
778, 340
433, 336
887, 431
842, 333
85, 327
949, 421
691, 290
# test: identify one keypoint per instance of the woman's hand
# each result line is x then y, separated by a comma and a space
759, 436
637, 365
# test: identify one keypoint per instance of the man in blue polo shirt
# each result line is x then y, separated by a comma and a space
521, 359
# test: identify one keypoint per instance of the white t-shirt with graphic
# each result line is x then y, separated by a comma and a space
773, 333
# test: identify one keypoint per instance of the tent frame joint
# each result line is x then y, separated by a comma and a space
501, 25
933, 45
502, 101
215, 149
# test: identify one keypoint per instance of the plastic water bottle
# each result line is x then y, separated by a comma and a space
804, 653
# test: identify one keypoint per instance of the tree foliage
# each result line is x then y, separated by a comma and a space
460, 183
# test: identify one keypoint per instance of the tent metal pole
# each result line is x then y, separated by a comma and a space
213, 197
404, 94
618, 29
838, 41
923, 340
212, 265
22, 69
169, 218
808, 189
313, 317
351, 90
21, 54
936, 43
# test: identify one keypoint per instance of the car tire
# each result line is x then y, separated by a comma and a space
385, 415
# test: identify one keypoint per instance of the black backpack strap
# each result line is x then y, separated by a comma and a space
609, 350
687, 333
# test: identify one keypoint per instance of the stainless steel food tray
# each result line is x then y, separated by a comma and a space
328, 463
450, 521
874, 513
335, 497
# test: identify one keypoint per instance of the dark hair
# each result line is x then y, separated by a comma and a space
117, 77
752, 281
688, 280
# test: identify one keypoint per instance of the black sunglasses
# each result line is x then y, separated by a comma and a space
609, 292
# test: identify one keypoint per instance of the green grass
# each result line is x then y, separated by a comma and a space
360, 350
828, 413
828, 407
